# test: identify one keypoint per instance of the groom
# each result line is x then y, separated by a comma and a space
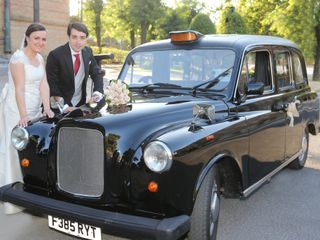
69, 66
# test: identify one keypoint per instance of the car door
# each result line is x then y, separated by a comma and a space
265, 117
291, 64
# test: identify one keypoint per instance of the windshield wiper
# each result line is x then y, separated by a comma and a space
156, 85
211, 82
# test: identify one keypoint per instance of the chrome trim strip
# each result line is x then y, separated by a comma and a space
255, 186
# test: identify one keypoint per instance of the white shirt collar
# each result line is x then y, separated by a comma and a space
74, 52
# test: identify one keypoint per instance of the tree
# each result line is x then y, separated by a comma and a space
171, 20
256, 15
297, 20
188, 9
176, 19
144, 13
230, 21
120, 23
93, 10
316, 15
293, 20
202, 23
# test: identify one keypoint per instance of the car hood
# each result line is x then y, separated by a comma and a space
130, 125
147, 118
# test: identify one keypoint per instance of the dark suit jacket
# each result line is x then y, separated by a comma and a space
60, 73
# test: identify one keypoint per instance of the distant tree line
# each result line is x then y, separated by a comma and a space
128, 23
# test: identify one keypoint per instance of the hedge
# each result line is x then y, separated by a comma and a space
119, 55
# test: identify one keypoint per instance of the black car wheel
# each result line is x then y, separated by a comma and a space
205, 215
300, 161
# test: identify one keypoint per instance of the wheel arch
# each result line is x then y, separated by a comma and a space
230, 176
312, 128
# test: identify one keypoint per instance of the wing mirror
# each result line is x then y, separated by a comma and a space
204, 111
57, 104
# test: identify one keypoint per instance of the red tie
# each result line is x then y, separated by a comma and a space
76, 64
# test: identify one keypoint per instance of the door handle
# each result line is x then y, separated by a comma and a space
277, 107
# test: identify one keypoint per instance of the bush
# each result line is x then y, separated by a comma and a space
202, 23
119, 55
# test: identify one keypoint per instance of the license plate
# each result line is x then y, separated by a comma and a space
74, 228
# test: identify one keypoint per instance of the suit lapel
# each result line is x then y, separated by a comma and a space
68, 61
86, 58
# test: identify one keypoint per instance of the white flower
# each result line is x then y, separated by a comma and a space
117, 93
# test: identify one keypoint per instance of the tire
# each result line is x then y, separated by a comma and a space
205, 214
300, 161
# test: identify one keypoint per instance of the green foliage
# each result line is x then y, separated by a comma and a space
75, 19
293, 20
188, 9
92, 17
126, 23
256, 15
171, 20
202, 23
230, 21
120, 23
144, 14
176, 19
119, 55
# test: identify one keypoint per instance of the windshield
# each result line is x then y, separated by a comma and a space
185, 68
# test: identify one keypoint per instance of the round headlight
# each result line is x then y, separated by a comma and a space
19, 138
157, 156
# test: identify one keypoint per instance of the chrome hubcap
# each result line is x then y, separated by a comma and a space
214, 210
304, 146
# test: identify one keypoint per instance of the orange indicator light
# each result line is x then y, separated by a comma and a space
153, 187
210, 138
25, 163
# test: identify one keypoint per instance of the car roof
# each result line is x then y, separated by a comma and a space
232, 41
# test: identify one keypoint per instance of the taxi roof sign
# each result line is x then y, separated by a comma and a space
184, 36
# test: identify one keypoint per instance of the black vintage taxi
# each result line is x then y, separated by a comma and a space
210, 116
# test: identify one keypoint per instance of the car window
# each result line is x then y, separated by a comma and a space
282, 69
186, 68
256, 68
298, 75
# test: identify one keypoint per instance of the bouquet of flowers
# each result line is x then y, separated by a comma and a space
117, 93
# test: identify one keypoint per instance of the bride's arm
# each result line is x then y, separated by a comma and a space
45, 95
17, 72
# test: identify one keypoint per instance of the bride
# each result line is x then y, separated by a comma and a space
21, 99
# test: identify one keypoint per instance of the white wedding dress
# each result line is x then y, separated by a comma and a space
9, 117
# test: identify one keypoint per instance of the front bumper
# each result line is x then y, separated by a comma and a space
110, 222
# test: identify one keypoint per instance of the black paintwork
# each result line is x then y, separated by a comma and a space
252, 134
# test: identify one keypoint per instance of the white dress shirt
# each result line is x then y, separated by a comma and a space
78, 79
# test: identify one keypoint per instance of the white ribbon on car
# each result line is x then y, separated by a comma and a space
292, 111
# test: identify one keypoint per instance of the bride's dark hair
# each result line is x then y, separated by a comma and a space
33, 27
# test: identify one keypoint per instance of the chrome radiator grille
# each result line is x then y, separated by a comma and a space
80, 161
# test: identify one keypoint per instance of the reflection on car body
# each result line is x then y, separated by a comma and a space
211, 116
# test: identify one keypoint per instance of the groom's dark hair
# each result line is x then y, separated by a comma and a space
79, 27
33, 27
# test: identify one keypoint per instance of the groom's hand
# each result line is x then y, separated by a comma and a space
69, 109
48, 113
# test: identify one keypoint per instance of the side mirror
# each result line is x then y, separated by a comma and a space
255, 88
57, 104
204, 111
